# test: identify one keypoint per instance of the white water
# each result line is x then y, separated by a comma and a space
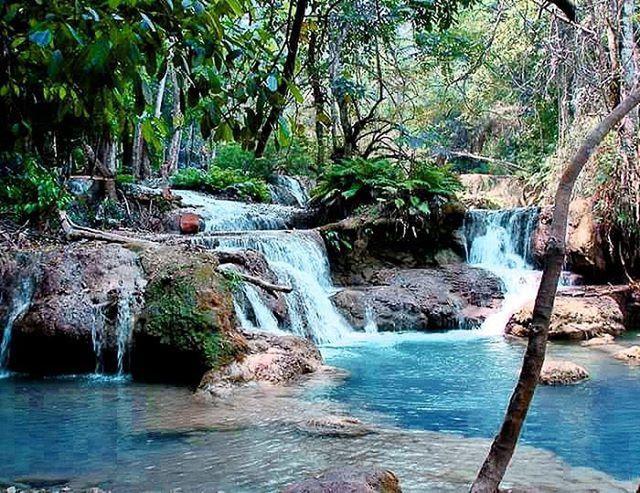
124, 328
370, 325
298, 260
19, 303
287, 190
255, 308
228, 215
98, 337
500, 242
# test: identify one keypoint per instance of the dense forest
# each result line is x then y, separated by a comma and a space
174, 173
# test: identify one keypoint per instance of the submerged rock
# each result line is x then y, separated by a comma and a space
453, 296
269, 359
630, 355
336, 426
574, 318
603, 340
349, 480
556, 372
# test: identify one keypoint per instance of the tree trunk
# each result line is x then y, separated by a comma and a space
173, 153
287, 76
137, 153
503, 446
318, 96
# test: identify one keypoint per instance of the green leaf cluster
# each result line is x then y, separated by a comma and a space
30, 191
218, 180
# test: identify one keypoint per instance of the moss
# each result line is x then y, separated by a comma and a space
188, 324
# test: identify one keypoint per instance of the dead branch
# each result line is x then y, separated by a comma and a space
230, 271
76, 232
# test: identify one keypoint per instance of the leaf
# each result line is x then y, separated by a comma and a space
295, 91
284, 133
41, 38
272, 83
147, 23
236, 7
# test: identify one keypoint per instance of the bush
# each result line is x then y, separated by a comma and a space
30, 191
219, 180
383, 186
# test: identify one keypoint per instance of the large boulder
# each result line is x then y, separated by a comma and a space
268, 359
584, 251
349, 480
452, 296
574, 318
556, 372
630, 355
78, 287
165, 313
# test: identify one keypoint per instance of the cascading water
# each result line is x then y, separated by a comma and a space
287, 190
124, 328
19, 302
255, 309
98, 337
500, 242
228, 215
299, 260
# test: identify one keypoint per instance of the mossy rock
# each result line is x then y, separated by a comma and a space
188, 323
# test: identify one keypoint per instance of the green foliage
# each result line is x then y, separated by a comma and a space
217, 180
352, 183
30, 191
124, 179
233, 157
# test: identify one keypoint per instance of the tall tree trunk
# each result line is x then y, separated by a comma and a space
318, 96
287, 76
503, 446
171, 163
137, 153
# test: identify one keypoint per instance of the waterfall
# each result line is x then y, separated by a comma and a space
500, 242
19, 302
370, 325
124, 328
287, 190
299, 260
98, 337
228, 215
255, 309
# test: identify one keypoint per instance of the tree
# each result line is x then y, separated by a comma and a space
503, 446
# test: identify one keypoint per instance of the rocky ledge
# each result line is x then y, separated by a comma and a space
574, 318
268, 359
447, 297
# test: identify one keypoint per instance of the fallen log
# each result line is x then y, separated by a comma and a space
76, 232
229, 270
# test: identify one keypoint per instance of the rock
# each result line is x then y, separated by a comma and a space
562, 373
269, 359
492, 192
574, 318
336, 426
190, 223
78, 286
349, 480
630, 355
584, 254
453, 296
603, 340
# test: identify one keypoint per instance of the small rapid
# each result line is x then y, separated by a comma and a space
500, 242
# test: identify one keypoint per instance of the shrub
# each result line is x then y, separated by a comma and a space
384, 186
219, 180
30, 191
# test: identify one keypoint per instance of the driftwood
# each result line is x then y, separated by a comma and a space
76, 232
595, 291
228, 270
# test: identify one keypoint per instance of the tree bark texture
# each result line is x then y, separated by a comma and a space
501, 451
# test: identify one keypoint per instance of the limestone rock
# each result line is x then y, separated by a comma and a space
492, 192
555, 372
269, 359
574, 318
603, 340
349, 480
630, 355
452, 296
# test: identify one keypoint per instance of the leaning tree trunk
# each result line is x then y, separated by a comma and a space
504, 444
